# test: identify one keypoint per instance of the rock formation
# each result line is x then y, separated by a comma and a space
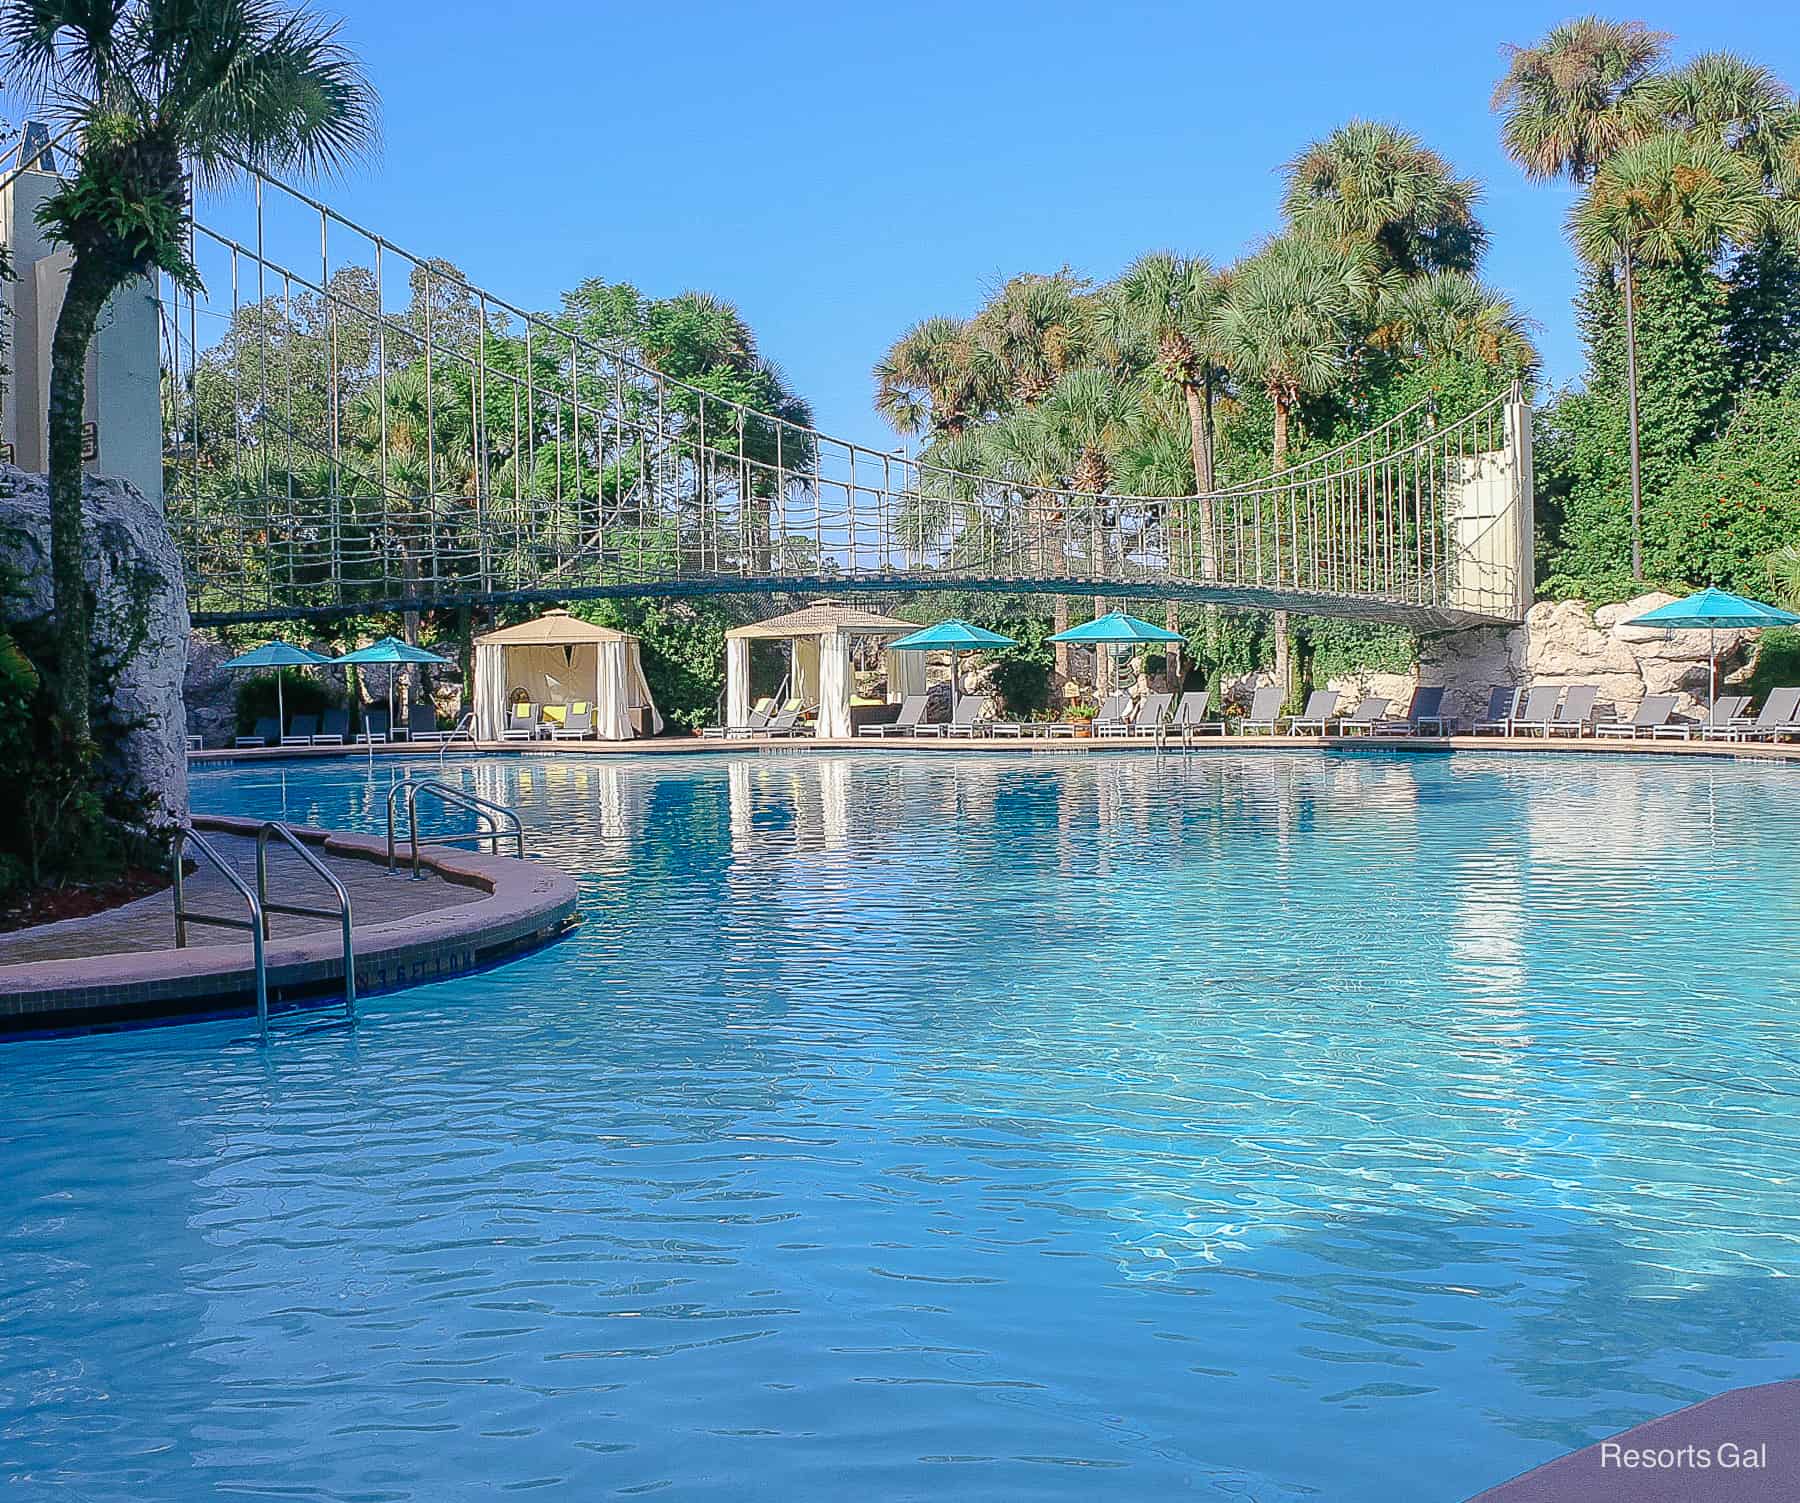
140, 618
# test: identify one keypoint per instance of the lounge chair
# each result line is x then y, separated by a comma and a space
375, 727
421, 724
1320, 710
1576, 712
577, 725
1537, 711
758, 720
1152, 711
265, 732
972, 716
1427, 708
1778, 716
788, 722
1114, 717
1651, 716
1190, 715
521, 723
301, 730
1369, 714
911, 717
1265, 711
1503, 707
1721, 715
334, 728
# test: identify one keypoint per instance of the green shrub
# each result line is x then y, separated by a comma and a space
1777, 662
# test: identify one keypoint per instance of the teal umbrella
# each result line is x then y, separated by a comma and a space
1112, 630
1710, 610
954, 637
277, 655
393, 652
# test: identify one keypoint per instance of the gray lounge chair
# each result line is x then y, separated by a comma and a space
1536, 712
787, 721
1369, 714
1114, 718
1777, 719
1427, 708
577, 725
971, 717
911, 717
375, 727
265, 732
334, 728
1720, 716
301, 730
521, 723
1503, 706
1651, 716
1190, 719
1576, 713
1320, 710
1152, 711
1265, 711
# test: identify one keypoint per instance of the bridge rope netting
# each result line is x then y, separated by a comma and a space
350, 427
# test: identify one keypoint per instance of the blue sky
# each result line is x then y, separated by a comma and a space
842, 170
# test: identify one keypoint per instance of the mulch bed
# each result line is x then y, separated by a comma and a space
48, 905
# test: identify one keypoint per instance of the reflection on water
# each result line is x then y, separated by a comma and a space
1365, 1127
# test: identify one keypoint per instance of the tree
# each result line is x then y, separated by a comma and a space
1451, 316
1380, 185
1174, 302
929, 382
1669, 200
1287, 325
1566, 105
152, 85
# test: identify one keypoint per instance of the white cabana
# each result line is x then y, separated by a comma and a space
559, 660
819, 673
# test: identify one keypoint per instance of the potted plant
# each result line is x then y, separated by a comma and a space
1080, 714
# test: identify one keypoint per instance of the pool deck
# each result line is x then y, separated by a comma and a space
1761, 751
468, 910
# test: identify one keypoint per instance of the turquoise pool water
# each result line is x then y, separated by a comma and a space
1364, 1127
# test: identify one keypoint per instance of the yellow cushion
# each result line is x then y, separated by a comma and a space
554, 713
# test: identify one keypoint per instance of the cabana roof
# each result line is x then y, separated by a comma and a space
824, 618
552, 629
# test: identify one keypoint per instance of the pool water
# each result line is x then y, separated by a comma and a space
1355, 1127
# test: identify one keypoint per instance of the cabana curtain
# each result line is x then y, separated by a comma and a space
905, 674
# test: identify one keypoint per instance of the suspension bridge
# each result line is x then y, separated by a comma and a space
350, 427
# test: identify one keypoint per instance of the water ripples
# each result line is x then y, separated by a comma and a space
1265, 1126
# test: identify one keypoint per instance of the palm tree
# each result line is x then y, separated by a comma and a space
1669, 199
1450, 315
1566, 105
1730, 101
928, 380
1174, 302
1286, 325
1031, 331
1380, 184
156, 89
1287, 321
1074, 441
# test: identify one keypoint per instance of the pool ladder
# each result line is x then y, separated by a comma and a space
497, 821
259, 906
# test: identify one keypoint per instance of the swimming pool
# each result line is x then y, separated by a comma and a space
1276, 1126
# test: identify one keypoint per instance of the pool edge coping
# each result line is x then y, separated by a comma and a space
527, 902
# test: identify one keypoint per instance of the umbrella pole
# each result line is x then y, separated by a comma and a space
954, 690
1712, 668
280, 707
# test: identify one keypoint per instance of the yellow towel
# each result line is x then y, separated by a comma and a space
555, 714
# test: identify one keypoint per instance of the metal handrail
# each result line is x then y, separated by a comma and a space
185, 835
481, 808
464, 728
342, 911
